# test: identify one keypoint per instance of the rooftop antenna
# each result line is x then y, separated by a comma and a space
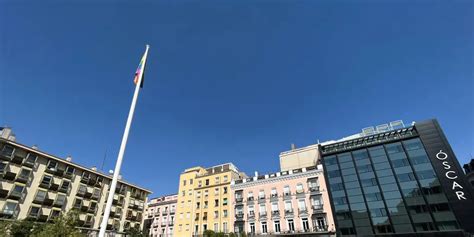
103, 160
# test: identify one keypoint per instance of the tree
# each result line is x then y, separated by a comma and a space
134, 232
62, 226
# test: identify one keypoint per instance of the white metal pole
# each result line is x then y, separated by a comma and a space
103, 225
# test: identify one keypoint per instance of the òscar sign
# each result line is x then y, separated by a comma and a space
451, 175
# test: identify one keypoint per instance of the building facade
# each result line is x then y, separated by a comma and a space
294, 201
160, 216
469, 169
398, 181
204, 200
38, 186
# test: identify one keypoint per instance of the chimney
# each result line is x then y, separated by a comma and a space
69, 158
293, 146
256, 174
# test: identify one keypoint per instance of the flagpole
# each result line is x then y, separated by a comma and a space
103, 225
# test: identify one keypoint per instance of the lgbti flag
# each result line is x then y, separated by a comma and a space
140, 72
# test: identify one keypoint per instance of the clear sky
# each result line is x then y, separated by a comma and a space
229, 81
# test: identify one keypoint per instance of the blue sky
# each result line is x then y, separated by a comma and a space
229, 81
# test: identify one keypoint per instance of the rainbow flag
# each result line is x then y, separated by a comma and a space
140, 71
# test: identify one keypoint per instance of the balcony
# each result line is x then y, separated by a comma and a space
171, 223
18, 158
262, 214
302, 211
287, 195
251, 214
317, 208
314, 190
276, 213
48, 200
239, 216
15, 195
10, 172
320, 228
24, 179
7, 153
238, 200
288, 212
172, 211
274, 196
250, 199
204, 218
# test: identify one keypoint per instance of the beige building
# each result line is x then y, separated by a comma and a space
298, 158
39, 186
204, 200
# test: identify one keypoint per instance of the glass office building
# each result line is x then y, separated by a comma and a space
394, 182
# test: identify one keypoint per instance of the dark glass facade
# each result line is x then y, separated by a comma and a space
384, 184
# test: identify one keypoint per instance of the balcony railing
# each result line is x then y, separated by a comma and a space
320, 228
250, 199
238, 199
239, 215
288, 212
275, 213
318, 207
262, 214
251, 214
302, 211
314, 189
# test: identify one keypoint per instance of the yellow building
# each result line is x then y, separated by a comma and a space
204, 200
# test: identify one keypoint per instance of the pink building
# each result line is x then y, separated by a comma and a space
293, 201
160, 216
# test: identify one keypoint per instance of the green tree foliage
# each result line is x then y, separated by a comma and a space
134, 232
62, 226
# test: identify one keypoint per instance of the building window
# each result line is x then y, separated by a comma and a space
40, 196
204, 227
70, 170
288, 207
250, 196
274, 192
9, 208
224, 226
52, 165
216, 191
60, 200
291, 225
252, 228
184, 182
301, 205
225, 190
299, 188
225, 213
183, 193
262, 209
46, 180
217, 180
305, 224
8, 150
64, 186
34, 212
261, 194
286, 190
224, 202
191, 181
264, 227
198, 205
277, 226
31, 159
17, 190
225, 178
216, 227
207, 182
